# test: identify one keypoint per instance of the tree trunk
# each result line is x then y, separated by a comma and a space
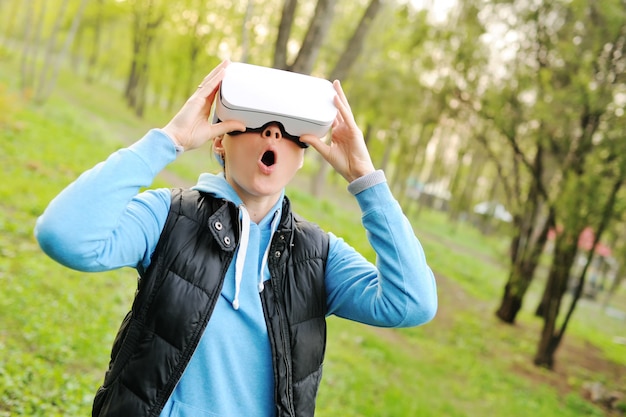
528, 244
146, 21
437, 172
524, 263
133, 79
133, 75
460, 202
196, 43
142, 90
28, 64
25, 71
284, 32
95, 48
245, 43
355, 45
50, 72
415, 163
486, 222
50, 48
410, 143
10, 21
564, 254
510, 304
607, 214
318, 28
547, 347
464, 186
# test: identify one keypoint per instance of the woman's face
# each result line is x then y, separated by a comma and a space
259, 165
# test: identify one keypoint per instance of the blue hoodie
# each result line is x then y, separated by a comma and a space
102, 221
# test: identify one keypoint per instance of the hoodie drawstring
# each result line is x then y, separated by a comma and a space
241, 253
243, 249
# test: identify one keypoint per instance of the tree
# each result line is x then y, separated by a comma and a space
316, 32
54, 59
595, 159
533, 109
147, 17
524, 180
355, 45
566, 248
94, 54
551, 109
284, 31
38, 75
10, 20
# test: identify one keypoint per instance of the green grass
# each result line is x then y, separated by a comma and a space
53, 342
57, 325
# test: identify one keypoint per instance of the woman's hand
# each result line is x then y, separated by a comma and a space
191, 127
346, 152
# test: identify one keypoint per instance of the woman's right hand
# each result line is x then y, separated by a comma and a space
191, 127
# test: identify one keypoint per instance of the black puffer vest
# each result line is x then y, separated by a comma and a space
177, 294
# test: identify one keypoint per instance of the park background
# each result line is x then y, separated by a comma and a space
500, 125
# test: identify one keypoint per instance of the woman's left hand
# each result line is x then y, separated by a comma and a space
346, 152
191, 127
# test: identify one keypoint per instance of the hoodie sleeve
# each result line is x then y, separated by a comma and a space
400, 290
100, 222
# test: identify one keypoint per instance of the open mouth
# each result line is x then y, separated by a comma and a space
268, 158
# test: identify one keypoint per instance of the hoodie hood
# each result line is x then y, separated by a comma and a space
217, 186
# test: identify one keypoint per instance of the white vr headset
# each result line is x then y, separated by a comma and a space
257, 96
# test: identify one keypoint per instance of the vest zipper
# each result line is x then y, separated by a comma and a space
283, 338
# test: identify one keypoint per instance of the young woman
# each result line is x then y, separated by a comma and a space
234, 288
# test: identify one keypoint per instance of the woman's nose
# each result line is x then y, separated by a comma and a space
272, 131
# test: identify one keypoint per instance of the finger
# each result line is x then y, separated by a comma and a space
228, 126
209, 85
341, 94
344, 113
214, 72
342, 104
210, 96
339, 118
317, 143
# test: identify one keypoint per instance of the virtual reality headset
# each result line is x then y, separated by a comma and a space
258, 96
